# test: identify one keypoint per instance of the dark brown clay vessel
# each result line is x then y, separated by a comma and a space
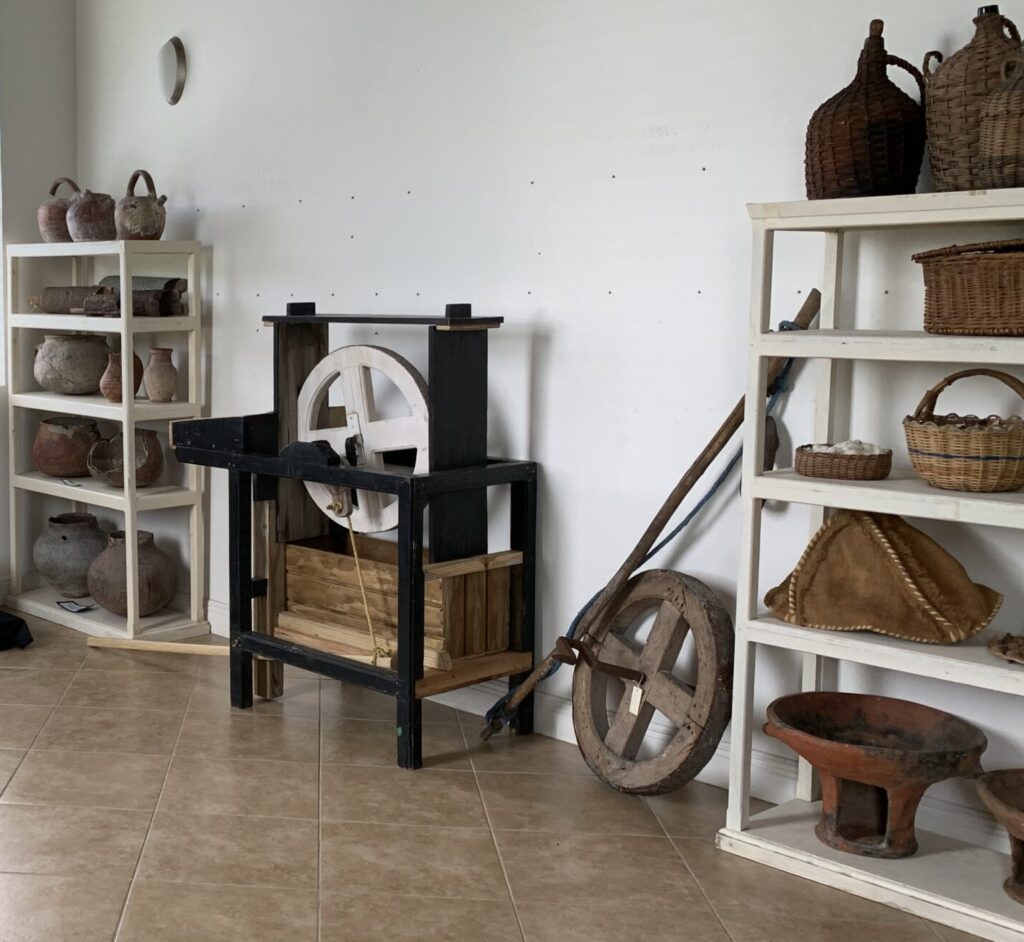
62, 444
876, 757
140, 217
52, 215
106, 459
110, 382
158, 576
1003, 793
91, 218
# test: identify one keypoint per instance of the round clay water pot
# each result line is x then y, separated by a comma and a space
91, 218
62, 444
52, 215
64, 553
161, 375
158, 576
110, 381
105, 460
71, 364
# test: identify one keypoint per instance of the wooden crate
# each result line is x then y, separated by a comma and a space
469, 604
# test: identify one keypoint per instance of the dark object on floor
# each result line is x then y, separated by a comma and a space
1003, 793
14, 632
876, 757
867, 140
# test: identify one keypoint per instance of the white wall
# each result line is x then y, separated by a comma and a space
578, 166
37, 144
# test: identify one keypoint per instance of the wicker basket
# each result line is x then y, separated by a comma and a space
966, 453
1002, 131
956, 94
816, 464
974, 289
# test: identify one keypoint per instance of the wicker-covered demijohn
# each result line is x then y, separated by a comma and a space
956, 94
974, 289
967, 453
1001, 149
867, 140
842, 467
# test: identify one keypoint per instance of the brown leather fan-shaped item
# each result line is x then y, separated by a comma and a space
875, 572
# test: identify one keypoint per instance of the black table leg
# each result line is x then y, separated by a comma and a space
523, 537
410, 626
240, 549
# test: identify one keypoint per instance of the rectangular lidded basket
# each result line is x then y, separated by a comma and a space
469, 604
974, 289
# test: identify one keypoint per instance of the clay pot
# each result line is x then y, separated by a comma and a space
64, 553
106, 459
62, 445
91, 218
1003, 793
158, 576
161, 376
52, 215
110, 382
71, 364
140, 217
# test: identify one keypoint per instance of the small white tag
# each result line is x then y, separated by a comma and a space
636, 697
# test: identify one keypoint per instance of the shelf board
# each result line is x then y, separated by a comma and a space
913, 346
903, 493
102, 325
166, 624
947, 881
96, 407
879, 212
116, 247
968, 662
97, 494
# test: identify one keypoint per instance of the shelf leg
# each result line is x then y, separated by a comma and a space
240, 550
131, 514
523, 537
14, 383
409, 719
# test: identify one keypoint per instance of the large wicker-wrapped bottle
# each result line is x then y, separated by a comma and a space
956, 94
1002, 131
868, 140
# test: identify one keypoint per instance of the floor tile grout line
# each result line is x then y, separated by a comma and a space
152, 818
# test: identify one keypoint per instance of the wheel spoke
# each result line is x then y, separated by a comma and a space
627, 731
616, 650
669, 696
357, 385
393, 434
665, 640
335, 437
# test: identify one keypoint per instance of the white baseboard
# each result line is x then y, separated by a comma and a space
218, 614
773, 777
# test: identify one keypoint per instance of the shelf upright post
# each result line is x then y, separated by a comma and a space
13, 384
131, 522
750, 544
197, 588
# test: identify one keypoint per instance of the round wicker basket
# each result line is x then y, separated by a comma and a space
816, 464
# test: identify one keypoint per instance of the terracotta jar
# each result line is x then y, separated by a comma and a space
91, 218
62, 445
106, 459
867, 140
64, 553
140, 217
110, 382
52, 215
1001, 147
158, 576
161, 376
71, 364
956, 94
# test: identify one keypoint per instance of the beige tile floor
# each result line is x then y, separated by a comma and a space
136, 805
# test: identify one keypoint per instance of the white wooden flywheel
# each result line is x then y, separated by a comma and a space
375, 436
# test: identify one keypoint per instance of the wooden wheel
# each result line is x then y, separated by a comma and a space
699, 713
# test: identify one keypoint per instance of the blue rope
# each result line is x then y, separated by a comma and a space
498, 712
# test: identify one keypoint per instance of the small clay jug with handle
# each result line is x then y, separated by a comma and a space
52, 215
140, 217
91, 218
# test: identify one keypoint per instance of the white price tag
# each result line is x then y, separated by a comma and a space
636, 698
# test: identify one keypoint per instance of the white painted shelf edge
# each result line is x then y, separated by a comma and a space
97, 407
115, 247
96, 494
947, 881
103, 325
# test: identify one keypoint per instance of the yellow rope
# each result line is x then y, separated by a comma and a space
377, 649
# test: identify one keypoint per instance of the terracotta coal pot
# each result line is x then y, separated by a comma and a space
71, 364
876, 757
52, 215
1003, 793
91, 218
62, 444
140, 217
161, 376
158, 576
110, 382
64, 553
106, 459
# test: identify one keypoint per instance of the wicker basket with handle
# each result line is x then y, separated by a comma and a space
839, 467
967, 453
974, 289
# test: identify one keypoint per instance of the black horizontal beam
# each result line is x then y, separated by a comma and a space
396, 320
497, 471
319, 662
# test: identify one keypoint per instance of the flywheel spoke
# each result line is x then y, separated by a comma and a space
627, 731
669, 696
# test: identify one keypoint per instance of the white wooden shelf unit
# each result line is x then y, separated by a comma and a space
948, 882
27, 404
